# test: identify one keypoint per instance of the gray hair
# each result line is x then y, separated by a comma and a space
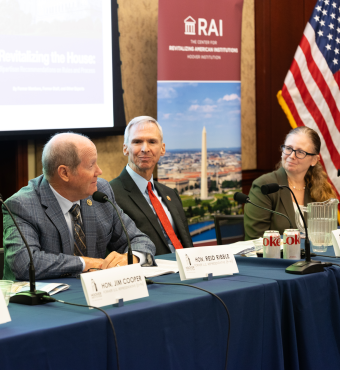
55, 155
137, 121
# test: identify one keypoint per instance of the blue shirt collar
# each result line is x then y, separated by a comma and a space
139, 180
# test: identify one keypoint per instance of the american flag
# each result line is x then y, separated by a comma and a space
310, 95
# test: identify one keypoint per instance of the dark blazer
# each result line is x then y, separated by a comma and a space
133, 203
256, 220
43, 224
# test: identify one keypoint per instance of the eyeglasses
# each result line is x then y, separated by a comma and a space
298, 152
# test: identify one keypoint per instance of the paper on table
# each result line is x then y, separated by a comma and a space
242, 247
166, 264
51, 288
163, 267
248, 248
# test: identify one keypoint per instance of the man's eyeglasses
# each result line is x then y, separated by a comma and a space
298, 152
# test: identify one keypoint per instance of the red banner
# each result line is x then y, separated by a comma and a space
199, 109
199, 40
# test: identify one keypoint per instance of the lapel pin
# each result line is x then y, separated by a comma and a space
168, 198
89, 202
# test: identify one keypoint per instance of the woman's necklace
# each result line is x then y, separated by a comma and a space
294, 187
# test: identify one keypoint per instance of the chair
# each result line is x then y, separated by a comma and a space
229, 229
1, 263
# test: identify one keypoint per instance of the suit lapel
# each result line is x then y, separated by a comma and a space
285, 195
286, 198
139, 199
54, 213
88, 216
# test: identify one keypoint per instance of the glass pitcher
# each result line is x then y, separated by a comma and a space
321, 220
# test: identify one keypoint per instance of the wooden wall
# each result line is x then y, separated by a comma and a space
278, 31
14, 169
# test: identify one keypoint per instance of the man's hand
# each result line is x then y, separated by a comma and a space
115, 259
91, 263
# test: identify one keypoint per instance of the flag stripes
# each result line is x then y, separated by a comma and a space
311, 90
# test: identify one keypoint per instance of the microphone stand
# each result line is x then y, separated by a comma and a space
33, 297
129, 253
102, 198
307, 266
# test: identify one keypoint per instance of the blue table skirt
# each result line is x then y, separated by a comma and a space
173, 328
309, 308
278, 321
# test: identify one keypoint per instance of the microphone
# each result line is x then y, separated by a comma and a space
270, 188
302, 267
33, 297
242, 199
100, 197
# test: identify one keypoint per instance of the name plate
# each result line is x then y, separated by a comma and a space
201, 261
106, 287
4, 313
336, 242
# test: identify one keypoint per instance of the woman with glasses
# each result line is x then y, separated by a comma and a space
301, 170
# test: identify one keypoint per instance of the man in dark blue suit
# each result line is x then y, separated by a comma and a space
67, 231
155, 208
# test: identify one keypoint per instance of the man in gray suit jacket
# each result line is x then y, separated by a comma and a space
63, 243
143, 144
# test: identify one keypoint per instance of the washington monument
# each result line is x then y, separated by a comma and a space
204, 179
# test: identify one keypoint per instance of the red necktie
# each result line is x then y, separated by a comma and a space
163, 218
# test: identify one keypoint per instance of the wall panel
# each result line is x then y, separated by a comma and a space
279, 27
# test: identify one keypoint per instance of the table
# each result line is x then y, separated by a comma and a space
310, 313
278, 321
174, 328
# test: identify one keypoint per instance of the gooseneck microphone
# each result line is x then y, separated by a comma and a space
302, 267
242, 199
100, 197
270, 188
33, 297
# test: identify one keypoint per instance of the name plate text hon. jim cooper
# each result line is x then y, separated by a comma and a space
105, 287
200, 261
